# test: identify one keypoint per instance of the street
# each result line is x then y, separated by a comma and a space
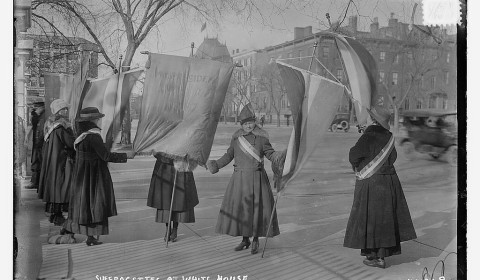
313, 212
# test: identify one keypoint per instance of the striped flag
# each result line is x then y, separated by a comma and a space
314, 101
111, 95
362, 74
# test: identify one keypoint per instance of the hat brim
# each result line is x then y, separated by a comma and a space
90, 117
250, 119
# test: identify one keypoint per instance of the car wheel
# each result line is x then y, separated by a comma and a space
334, 127
409, 150
452, 155
344, 125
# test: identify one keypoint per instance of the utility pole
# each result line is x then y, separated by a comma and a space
192, 46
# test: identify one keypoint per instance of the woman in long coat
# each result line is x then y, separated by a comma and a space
92, 198
248, 201
160, 193
379, 219
57, 164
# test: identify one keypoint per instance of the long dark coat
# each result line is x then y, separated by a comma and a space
248, 201
161, 186
57, 164
93, 199
38, 122
379, 217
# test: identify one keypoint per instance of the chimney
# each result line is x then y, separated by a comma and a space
353, 23
307, 31
297, 33
392, 22
374, 26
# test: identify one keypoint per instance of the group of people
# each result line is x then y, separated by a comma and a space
75, 173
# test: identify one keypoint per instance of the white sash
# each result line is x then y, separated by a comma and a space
249, 149
377, 162
83, 135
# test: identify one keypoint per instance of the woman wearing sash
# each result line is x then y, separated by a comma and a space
379, 219
57, 163
92, 199
248, 201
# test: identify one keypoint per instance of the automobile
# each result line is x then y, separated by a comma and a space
429, 131
340, 122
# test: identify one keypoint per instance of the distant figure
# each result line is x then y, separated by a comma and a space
38, 122
248, 201
379, 219
57, 166
262, 120
92, 199
161, 188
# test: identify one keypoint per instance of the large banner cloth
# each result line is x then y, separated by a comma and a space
111, 95
314, 101
181, 104
68, 87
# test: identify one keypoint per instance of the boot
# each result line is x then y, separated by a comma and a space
91, 241
255, 245
244, 244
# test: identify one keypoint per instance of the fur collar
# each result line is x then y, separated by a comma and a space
52, 123
257, 131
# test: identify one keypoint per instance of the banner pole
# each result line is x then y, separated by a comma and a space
271, 220
313, 55
171, 206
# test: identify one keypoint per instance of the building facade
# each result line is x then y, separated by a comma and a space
416, 66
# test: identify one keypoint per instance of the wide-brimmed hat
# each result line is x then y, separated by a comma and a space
57, 105
381, 115
246, 115
88, 114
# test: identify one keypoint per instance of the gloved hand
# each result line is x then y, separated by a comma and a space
212, 166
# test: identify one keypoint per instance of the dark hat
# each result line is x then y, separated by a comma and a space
246, 115
88, 114
381, 115
38, 104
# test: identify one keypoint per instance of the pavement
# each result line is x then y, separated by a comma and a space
312, 212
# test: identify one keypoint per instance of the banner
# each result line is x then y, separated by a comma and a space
111, 96
67, 87
313, 101
181, 105
362, 74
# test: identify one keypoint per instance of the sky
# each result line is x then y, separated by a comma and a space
176, 37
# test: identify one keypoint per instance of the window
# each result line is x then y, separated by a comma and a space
448, 57
419, 104
289, 55
382, 56
300, 54
407, 104
326, 51
433, 82
394, 78
249, 61
42, 81
382, 76
340, 75
447, 77
410, 57
397, 59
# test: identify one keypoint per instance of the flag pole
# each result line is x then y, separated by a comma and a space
171, 206
315, 45
270, 223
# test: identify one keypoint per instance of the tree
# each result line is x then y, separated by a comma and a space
240, 91
270, 81
422, 56
121, 26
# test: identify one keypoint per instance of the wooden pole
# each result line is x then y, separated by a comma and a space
171, 206
270, 223
315, 45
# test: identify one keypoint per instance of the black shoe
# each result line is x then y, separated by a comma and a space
242, 244
92, 242
374, 262
173, 235
254, 247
